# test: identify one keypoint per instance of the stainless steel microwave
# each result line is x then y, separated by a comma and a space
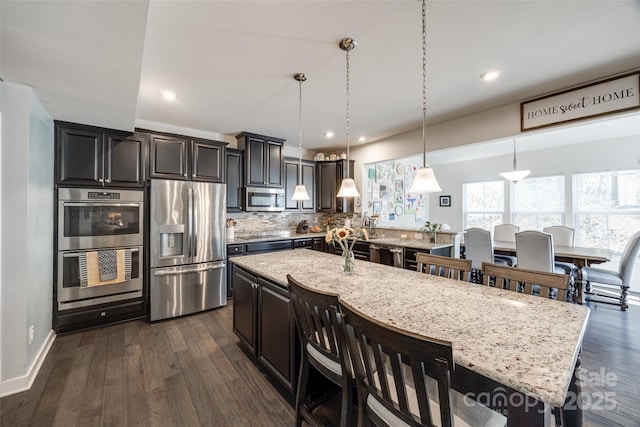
259, 199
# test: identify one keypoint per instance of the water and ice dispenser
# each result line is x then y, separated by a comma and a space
172, 241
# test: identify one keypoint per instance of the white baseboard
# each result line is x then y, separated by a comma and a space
16, 385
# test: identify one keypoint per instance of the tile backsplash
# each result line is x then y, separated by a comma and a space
250, 223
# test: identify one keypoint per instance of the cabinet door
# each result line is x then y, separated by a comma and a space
169, 157
124, 160
235, 167
290, 182
79, 156
207, 161
309, 181
256, 162
326, 187
275, 338
274, 164
245, 307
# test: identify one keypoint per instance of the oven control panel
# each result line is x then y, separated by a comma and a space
102, 195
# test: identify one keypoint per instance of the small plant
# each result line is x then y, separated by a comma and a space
431, 227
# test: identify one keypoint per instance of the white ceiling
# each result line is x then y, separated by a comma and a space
231, 62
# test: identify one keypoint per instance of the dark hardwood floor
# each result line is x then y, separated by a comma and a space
191, 372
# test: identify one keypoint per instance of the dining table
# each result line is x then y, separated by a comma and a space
510, 353
579, 256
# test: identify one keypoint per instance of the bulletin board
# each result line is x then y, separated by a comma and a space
386, 193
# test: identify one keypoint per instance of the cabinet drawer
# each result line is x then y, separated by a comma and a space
235, 250
268, 246
303, 243
99, 316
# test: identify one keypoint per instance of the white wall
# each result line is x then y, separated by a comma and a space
27, 236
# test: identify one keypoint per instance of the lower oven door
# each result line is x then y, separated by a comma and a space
175, 291
72, 295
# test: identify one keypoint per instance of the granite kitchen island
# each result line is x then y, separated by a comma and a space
512, 343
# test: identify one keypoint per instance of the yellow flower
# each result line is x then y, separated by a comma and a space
365, 235
328, 237
342, 233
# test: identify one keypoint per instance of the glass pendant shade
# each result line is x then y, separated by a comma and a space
515, 175
300, 193
425, 182
348, 188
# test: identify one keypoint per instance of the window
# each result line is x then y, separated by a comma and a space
483, 204
538, 202
607, 208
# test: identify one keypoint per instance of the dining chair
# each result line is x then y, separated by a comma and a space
549, 285
534, 250
403, 379
322, 346
444, 266
611, 278
506, 233
563, 236
478, 247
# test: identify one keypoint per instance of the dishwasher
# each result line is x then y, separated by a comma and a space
388, 255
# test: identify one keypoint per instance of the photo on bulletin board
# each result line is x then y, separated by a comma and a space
376, 208
385, 172
445, 201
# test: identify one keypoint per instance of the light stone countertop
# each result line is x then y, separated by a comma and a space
527, 343
409, 243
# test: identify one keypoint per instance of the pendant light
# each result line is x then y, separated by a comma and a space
515, 175
300, 192
425, 180
348, 186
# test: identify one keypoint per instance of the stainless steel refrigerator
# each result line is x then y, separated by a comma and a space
187, 247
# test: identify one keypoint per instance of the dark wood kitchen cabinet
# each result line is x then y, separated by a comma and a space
185, 158
291, 180
263, 320
87, 155
235, 174
329, 176
263, 160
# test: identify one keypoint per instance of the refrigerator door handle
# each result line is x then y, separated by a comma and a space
178, 271
194, 231
189, 222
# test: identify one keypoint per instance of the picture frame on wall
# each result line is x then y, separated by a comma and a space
445, 201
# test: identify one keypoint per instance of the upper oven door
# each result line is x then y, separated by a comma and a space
100, 222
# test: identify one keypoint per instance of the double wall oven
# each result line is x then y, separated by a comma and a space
93, 220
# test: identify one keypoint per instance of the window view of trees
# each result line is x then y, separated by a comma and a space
607, 208
538, 202
483, 204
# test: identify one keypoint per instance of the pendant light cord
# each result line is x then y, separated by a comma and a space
424, 84
515, 165
300, 132
348, 115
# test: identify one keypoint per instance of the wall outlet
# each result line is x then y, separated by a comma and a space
31, 332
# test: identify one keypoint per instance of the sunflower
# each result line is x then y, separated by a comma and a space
328, 237
342, 233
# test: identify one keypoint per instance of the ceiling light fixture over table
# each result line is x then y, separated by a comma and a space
425, 180
515, 175
348, 186
300, 193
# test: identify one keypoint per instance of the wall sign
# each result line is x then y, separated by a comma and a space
609, 96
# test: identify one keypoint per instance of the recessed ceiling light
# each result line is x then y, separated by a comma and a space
490, 75
168, 95
328, 134
362, 139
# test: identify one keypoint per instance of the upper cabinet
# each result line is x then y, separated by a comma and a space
263, 160
291, 180
87, 155
329, 176
235, 167
185, 158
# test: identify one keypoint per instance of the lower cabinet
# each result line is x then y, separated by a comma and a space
263, 321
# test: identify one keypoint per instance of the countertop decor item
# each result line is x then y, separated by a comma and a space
303, 227
431, 229
425, 180
345, 238
348, 187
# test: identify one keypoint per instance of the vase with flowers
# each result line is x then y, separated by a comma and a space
431, 229
345, 238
